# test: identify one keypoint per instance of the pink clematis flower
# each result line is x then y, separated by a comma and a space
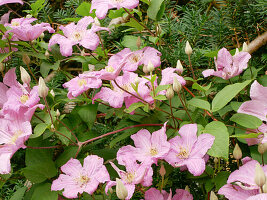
4, 19
258, 197
261, 138
3, 97
77, 85
79, 179
3, 2
189, 150
134, 174
103, 6
17, 22
149, 148
244, 184
228, 66
181, 194
77, 34
257, 106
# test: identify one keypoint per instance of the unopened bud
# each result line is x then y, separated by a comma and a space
137, 80
236, 51
259, 177
187, 188
213, 196
169, 93
216, 160
52, 128
245, 47
145, 69
25, 77
52, 93
41, 36
33, 41
97, 23
162, 170
158, 30
179, 67
176, 85
47, 54
28, 16
237, 153
2, 67
138, 42
83, 53
121, 190
264, 187
42, 88
150, 66
57, 113
26, 59
262, 148
91, 67
188, 48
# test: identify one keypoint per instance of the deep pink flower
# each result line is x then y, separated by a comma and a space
77, 34
77, 85
257, 106
149, 148
244, 184
3, 2
228, 66
103, 6
189, 150
79, 179
181, 194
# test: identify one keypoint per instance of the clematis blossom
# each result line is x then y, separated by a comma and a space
3, 2
257, 106
103, 6
77, 34
181, 194
228, 66
78, 179
189, 150
149, 148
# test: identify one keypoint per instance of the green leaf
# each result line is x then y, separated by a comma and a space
84, 9
45, 68
88, 113
134, 24
39, 130
161, 87
37, 6
134, 106
220, 147
245, 120
68, 153
196, 86
227, 94
43, 192
160, 97
3, 56
154, 8
221, 179
200, 103
65, 132
18, 195
244, 136
129, 41
115, 13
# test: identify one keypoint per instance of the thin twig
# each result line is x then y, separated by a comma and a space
68, 129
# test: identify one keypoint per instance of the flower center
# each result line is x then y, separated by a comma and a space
129, 177
82, 180
15, 23
82, 82
135, 58
77, 36
24, 98
153, 152
109, 69
183, 154
16, 135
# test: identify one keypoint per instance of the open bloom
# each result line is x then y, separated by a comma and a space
181, 194
244, 182
3, 2
257, 106
189, 150
148, 147
228, 66
77, 34
79, 179
103, 6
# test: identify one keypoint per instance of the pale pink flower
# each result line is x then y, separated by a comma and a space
103, 6
149, 148
79, 179
3, 97
257, 106
18, 22
261, 138
3, 2
244, 183
189, 150
4, 19
181, 194
77, 85
228, 66
258, 197
77, 34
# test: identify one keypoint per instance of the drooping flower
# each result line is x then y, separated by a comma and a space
243, 180
189, 150
3, 2
149, 148
103, 6
181, 194
228, 66
77, 34
79, 179
257, 106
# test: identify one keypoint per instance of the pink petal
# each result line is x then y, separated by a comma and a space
188, 133
73, 167
196, 166
258, 197
258, 92
153, 194
253, 107
182, 195
234, 192
203, 144
142, 140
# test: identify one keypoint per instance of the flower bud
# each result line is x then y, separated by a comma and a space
259, 177
216, 160
176, 85
245, 47
213, 196
42, 88
236, 51
57, 113
150, 66
2, 67
137, 80
52, 93
145, 69
41, 36
237, 153
264, 187
188, 49
47, 54
262, 148
138, 42
158, 30
28, 16
91, 67
52, 128
25, 77
187, 188
162, 170
179, 67
26, 60
169, 93
33, 41
121, 190
97, 23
